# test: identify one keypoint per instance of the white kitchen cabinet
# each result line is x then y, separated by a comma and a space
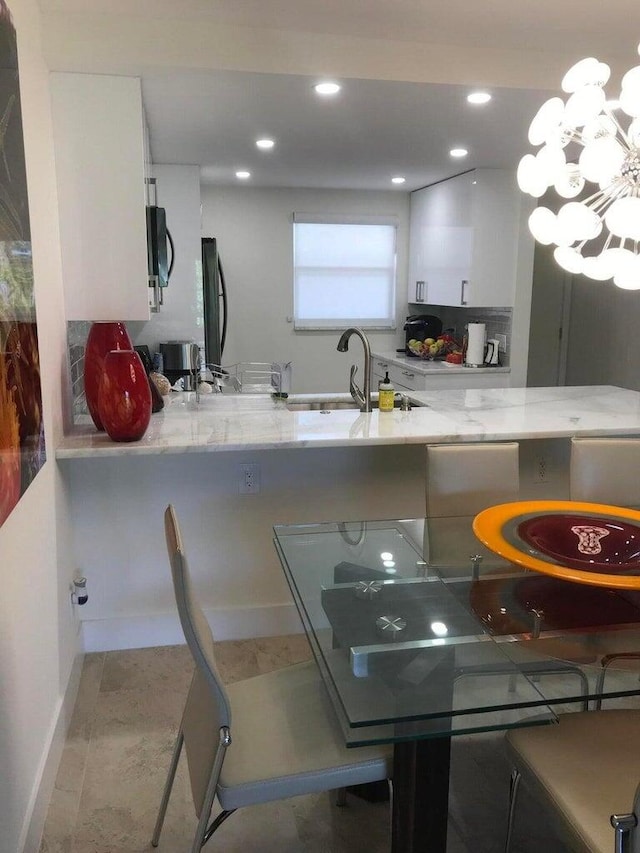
100, 167
463, 240
418, 376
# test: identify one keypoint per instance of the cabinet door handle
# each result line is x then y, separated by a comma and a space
419, 291
463, 284
409, 375
155, 298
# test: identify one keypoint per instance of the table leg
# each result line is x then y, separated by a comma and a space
420, 796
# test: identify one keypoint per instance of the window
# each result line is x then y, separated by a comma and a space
344, 272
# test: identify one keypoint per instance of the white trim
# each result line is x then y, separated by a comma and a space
347, 218
36, 813
163, 629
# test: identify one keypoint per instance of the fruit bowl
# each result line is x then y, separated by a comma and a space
434, 349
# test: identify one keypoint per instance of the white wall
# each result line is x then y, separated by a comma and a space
228, 536
255, 234
38, 643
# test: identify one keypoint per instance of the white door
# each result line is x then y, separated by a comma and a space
549, 327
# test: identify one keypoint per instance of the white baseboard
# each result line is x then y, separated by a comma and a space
163, 629
45, 779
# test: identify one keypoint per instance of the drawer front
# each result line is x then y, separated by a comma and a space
404, 377
379, 368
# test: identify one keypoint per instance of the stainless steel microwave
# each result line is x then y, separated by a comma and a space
158, 241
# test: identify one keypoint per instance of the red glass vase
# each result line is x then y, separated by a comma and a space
103, 337
124, 397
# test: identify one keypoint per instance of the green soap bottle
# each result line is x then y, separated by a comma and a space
385, 395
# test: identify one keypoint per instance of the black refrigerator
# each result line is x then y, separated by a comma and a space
214, 302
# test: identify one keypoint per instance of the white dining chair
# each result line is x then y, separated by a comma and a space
266, 738
585, 770
605, 470
461, 481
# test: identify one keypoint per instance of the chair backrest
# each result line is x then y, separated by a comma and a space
207, 708
605, 470
464, 479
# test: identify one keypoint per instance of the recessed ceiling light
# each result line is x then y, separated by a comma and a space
265, 144
243, 175
398, 180
479, 98
327, 88
458, 152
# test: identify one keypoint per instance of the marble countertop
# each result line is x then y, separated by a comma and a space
258, 422
424, 365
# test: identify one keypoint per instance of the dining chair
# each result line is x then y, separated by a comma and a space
605, 470
265, 738
461, 481
586, 771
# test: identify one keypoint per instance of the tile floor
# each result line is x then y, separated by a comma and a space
119, 744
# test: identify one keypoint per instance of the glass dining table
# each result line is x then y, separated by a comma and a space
421, 634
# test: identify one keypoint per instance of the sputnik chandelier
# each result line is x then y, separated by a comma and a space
584, 150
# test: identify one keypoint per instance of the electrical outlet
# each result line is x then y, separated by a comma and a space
502, 343
541, 470
249, 478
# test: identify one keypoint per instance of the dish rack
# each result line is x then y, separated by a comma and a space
249, 377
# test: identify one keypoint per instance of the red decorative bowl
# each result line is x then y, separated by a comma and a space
590, 543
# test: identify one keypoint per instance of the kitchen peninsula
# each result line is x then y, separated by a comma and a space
258, 422
307, 466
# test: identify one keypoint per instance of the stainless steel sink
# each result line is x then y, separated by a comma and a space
331, 404
325, 406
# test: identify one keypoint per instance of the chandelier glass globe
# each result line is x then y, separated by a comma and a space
588, 151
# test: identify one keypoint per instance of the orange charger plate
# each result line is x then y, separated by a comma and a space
489, 525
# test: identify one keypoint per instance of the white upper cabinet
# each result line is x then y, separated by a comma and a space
100, 168
464, 240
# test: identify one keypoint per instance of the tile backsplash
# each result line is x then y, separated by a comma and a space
77, 333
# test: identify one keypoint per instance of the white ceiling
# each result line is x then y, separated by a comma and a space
358, 140
374, 128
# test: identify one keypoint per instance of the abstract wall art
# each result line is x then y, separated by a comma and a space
22, 445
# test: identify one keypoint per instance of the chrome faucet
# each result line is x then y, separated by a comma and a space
362, 398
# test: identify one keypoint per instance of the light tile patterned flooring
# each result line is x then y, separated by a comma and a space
118, 749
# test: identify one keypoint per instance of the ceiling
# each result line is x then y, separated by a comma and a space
374, 128
371, 131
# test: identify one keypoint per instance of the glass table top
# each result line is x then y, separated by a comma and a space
419, 631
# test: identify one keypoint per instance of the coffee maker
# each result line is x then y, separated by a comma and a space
181, 360
421, 326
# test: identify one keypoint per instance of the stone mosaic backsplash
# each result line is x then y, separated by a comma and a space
77, 333
496, 320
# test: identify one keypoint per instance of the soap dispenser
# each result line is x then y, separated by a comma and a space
385, 395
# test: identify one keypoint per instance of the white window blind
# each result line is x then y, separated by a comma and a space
344, 272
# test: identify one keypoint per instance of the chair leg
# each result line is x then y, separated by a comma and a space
216, 823
202, 834
513, 793
177, 749
341, 797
